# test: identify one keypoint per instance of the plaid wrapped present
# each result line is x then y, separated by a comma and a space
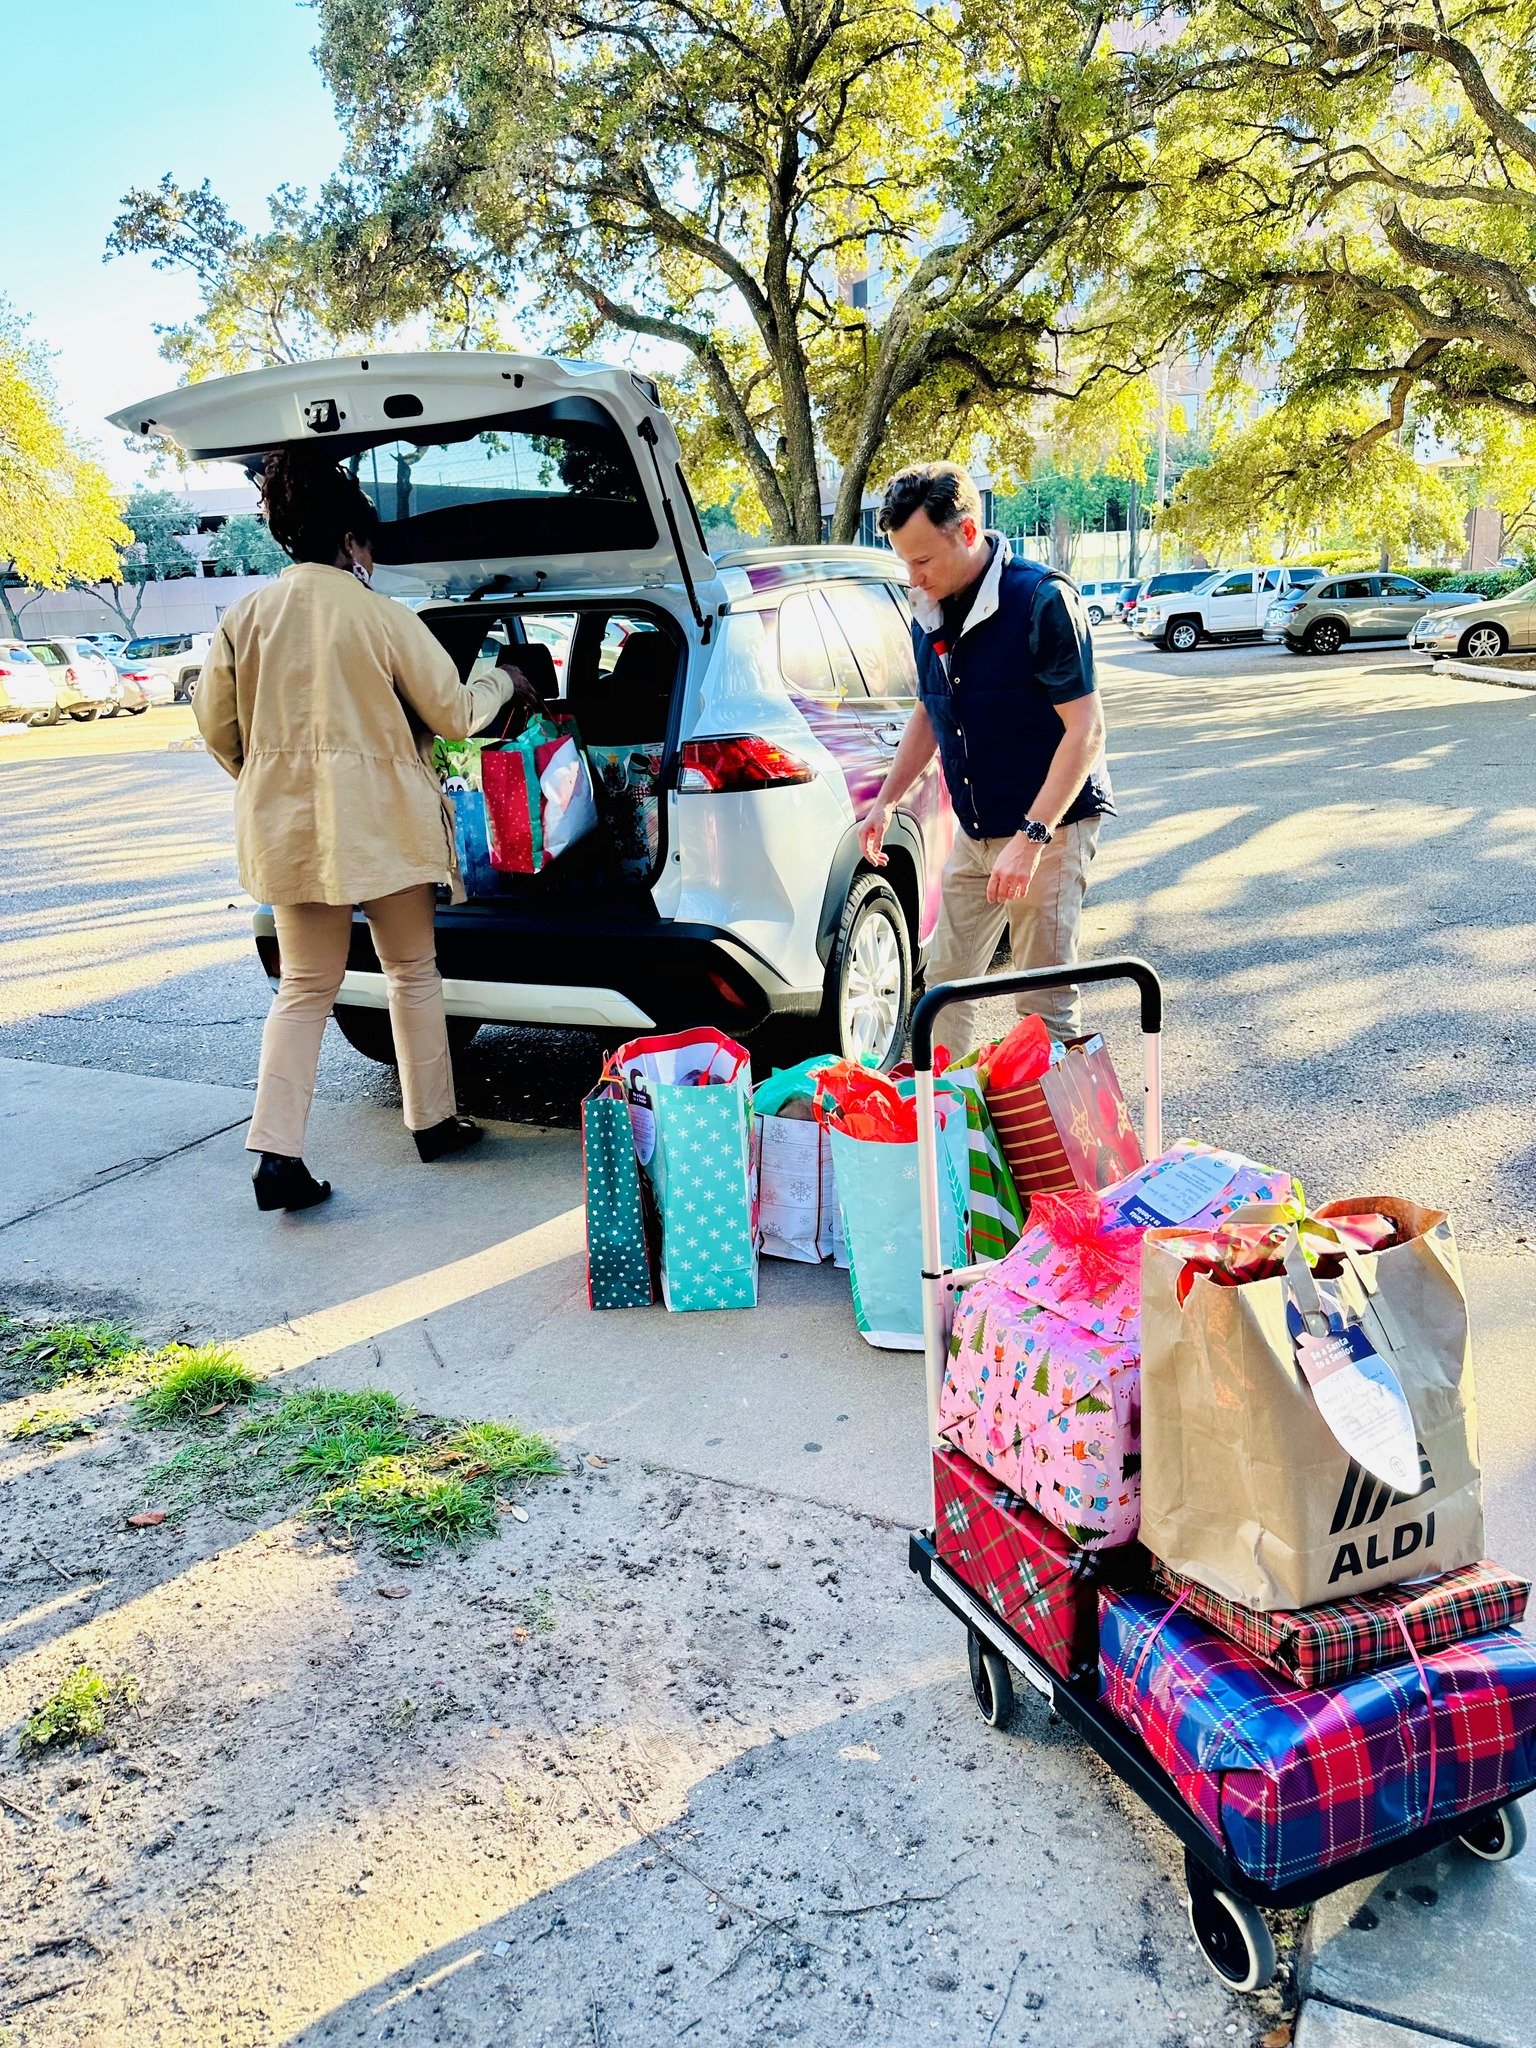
1031, 1575
1325, 1645
1294, 1781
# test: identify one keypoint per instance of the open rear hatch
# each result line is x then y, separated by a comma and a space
492, 473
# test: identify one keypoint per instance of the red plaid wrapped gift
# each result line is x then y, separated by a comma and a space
1294, 1781
1028, 1573
1325, 1645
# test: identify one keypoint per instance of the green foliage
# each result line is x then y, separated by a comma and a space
58, 515
79, 1710
499, 1450
244, 547
54, 1426
1485, 582
188, 1383
409, 1506
79, 1351
157, 521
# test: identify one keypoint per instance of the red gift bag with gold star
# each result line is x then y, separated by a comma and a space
1069, 1128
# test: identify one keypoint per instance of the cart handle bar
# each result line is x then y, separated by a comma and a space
930, 1006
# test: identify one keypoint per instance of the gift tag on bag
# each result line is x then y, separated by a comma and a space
1180, 1191
1359, 1396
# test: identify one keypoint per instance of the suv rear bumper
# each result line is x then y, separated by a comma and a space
606, 975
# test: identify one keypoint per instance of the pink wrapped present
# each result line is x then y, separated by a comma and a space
1050, 1409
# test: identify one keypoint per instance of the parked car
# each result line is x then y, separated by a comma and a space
1163, 584
738, 717
109, 644
1480, 629
1322, 619
77, 686
129, 693
1125, 603
95, 674
1099, 597
1224, 604
177, 657
27, 695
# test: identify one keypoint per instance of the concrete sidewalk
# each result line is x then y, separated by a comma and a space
462, 1288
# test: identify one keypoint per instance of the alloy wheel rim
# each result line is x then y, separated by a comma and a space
1483, 643
872, 990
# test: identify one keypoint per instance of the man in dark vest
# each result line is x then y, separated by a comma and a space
1006, 697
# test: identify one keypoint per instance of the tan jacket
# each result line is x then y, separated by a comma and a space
320, 697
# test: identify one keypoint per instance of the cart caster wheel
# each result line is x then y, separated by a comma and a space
1234, 1936
991, 1682
1499, 1837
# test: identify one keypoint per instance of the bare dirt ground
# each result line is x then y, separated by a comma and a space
667, 1760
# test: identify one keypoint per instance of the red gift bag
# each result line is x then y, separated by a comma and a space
1069, 1128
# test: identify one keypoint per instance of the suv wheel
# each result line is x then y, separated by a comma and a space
1324, 636
186, 683
1182, 636
869, 977
1095, 615
368, 1032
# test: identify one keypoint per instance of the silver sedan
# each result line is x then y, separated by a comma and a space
1483, 630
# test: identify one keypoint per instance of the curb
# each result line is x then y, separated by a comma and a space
1486, 672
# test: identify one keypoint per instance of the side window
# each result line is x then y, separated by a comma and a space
1404, 586
1235, 586
803, 659
1354, 586
881, 641
1270, 580
845, 670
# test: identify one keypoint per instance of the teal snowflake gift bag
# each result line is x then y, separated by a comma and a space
690, 1107
620, 1251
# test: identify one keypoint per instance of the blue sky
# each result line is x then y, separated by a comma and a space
104, 95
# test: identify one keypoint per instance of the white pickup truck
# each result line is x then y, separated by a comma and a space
1229, 605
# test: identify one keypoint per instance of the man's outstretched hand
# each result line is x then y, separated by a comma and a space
872, 832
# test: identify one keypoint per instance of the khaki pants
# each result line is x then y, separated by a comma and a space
312, 939
1042, 926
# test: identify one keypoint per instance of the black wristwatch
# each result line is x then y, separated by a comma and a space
1042, 835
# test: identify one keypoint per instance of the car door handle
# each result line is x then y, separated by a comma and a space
889, 734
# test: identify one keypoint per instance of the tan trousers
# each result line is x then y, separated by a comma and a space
1042, 926
312, 939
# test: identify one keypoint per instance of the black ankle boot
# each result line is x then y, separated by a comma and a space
283, 1183
453, 1134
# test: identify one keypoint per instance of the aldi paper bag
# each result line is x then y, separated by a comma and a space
1244, 1486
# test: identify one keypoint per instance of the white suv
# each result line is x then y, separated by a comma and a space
174, 660
1231, 604
738, 715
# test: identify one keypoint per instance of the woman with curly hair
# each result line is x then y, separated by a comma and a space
319, 696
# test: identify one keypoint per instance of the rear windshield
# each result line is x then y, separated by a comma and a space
556, 479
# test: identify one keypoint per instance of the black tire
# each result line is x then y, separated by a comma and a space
872, 949
1095, 615
1234, 1936
991, 1682
186, 684
1491, 641
136, 710
84, 715
1500, 1838
368, 1032
1324, 636
1182, 636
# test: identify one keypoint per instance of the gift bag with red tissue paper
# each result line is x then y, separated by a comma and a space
873, 1129
1061, 1120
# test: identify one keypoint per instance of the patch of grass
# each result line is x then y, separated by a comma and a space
81, 1708
409, 1506
74, 1351
55, 1425
190, 1383
499, 1450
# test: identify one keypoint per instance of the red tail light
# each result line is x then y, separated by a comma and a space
737, 764
69, 672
